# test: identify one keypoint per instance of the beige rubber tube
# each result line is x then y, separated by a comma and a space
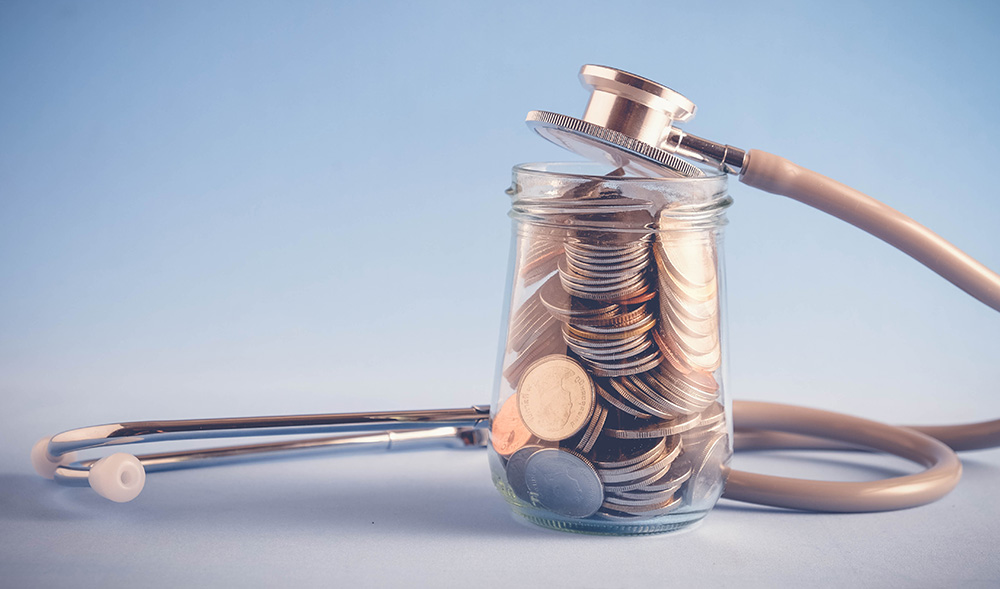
777, 175
943, 466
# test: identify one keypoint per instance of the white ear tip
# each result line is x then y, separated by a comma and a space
119, 477
44, 465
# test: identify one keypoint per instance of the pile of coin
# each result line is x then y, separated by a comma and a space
616, 411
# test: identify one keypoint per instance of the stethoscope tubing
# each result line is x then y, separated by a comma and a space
943, 467
757, 425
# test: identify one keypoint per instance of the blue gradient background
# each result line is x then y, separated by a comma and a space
239, 208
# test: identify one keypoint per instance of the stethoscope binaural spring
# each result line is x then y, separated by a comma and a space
629, 124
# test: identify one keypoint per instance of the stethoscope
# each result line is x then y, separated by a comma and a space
629, 123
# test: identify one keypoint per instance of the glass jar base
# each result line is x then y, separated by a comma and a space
667, 524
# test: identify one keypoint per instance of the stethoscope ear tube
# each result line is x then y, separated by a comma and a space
943, 467
777, 175
754, 422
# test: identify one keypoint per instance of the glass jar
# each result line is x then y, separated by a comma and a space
608, 412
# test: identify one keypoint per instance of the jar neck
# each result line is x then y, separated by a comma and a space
565, 196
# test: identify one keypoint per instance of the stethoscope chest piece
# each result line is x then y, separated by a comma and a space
632, 105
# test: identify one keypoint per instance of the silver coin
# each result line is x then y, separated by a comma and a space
595, 268
621, 315
562, 305
589, 334
530, 318
515, 471
564, 483
653, 396
692, 327
624, 290
698, 383
673, 392
595, 279
593, 289
498, 470
598, 249
541, 346
627, 366
622, 453
653, 473
617, 403
640, 498
556, 397
619, 512
626, 349
626, 264
658, 429
709, 474
620, 476
594, 429
631, 323
679, 473
540, 328
580, 339
632, 397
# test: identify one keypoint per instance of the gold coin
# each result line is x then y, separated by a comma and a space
555, 397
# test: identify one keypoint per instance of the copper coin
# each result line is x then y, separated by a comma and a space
508, 433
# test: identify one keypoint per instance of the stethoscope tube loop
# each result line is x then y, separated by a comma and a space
943, 467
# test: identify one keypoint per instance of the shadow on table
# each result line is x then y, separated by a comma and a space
249, 498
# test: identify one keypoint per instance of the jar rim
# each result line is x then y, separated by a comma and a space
578, 170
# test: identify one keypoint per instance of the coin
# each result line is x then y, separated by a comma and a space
622, 453
540, 259
709, 474
706, 359
564, 483
690, 254
594, 428
561, 305
612, 400
516, 472
614, 351
613, 511
498, 470
652, 467
658, 429
508, 433
542, 345
626, 367
633, 397
555, 397
589, 332
697, 281
679, 473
